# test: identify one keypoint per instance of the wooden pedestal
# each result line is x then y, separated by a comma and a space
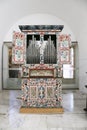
41, 110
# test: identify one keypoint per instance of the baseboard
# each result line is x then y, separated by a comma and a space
42, 110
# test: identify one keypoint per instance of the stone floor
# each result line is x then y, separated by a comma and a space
73, 118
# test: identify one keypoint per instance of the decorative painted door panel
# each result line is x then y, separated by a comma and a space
64, 48
18, 50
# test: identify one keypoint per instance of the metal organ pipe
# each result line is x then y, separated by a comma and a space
46, 50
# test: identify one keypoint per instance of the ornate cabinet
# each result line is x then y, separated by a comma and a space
37, 49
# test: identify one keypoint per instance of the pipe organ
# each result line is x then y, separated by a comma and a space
41, 50
37, 50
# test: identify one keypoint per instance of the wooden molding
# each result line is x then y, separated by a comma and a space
42, 110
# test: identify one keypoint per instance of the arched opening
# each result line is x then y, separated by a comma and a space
37, 19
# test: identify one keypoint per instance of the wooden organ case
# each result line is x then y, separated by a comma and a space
36, 49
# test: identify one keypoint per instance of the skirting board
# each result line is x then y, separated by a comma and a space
42, 110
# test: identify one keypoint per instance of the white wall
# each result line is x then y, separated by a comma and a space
72, 12
39, 19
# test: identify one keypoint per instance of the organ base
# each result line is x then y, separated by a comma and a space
33, 110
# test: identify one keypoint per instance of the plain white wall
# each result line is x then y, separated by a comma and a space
73, 12
39, 19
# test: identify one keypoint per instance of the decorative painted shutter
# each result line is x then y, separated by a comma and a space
18, 48
64, 41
